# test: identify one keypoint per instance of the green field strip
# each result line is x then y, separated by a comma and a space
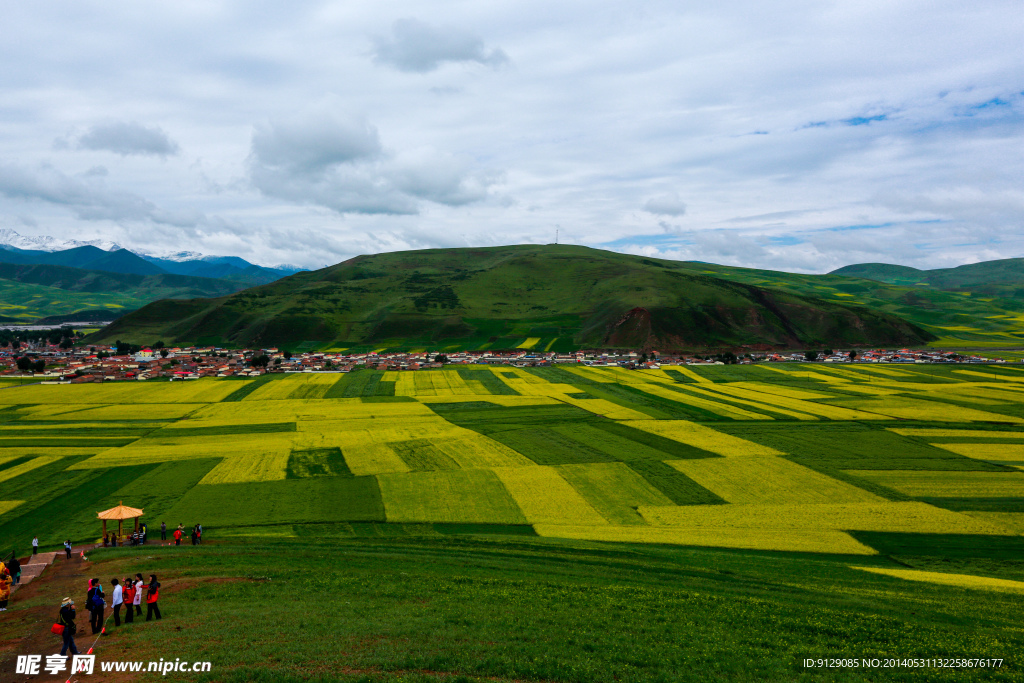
337, 390
247, 388
420, 455
487, 379
550, 446
65, 442
615, 393
487, 417
994, 504
316, 499
918, 483
52, 519
448, 496
679, 394
224, 430
740, 399
943, 545
155, 492
676, 486
614, 490
617, 441
317, 462
461, 529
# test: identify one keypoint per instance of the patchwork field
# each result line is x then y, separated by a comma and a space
781, 457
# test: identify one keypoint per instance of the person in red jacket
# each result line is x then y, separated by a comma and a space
128, 596
152, 595
177, 535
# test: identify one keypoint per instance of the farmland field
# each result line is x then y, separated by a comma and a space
901, 479
561, 447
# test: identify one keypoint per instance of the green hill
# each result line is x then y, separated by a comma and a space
30, 291
545, 297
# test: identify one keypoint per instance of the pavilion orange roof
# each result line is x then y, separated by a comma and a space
122, 511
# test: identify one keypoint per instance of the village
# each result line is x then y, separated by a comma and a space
61, 362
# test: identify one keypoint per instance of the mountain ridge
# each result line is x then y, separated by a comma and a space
497, 296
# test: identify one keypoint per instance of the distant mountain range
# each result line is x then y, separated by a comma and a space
68, 252
68, 280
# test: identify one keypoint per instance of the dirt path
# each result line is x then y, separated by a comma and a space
26, 630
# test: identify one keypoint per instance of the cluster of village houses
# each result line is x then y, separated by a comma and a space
99, 363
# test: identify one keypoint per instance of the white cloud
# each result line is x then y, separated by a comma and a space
419, 47
124, 138
227, 127
665, 205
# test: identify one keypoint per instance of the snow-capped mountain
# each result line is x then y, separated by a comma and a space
10, 238
192, 262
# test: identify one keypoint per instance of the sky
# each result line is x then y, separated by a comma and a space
791, 135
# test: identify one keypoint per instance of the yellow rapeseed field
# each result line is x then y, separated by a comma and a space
783, 540
448, 496
742, 397
700, 436
1013, 452
951, 484
769, 480
263, 461
1012, 521
18, 470
547, 498
916, 409
957, 433
8, 505
711, 405
889, 516
958, 580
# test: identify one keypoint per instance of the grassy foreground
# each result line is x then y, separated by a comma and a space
527, 609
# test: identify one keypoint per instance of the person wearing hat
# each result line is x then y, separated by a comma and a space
66, 618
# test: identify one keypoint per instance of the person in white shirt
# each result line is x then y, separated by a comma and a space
116, 601
35, 545
138, 595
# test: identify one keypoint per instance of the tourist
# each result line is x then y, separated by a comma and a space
195, 535
66, 618
163, 531
67, 548
116, 601
128, 597
5, 586
35, 545
152, 595
200, 528
137, 600
14, 567
177, 535
96, 605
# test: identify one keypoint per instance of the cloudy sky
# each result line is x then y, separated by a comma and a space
792, 135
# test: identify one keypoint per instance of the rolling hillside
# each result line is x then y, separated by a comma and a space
30, 291
551, 297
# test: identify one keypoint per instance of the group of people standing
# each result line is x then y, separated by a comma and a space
128, 594
179, 533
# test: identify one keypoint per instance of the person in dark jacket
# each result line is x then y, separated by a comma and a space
163, 531
96, 605
152, 595
14, 567
66, 618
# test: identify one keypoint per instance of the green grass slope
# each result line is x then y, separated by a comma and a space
969, 315
568, 296
30, 291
